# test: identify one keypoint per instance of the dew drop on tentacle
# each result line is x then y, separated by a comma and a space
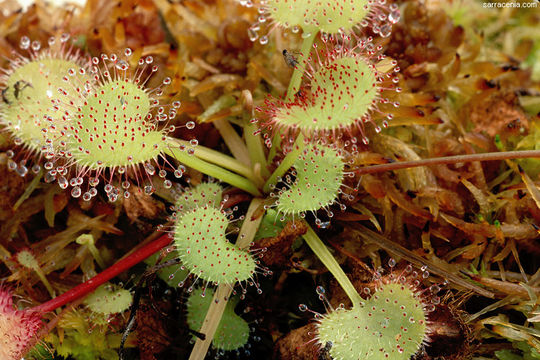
76, 192
252, 35
122, 65
24, 43
367, 291
63, 182
394, 15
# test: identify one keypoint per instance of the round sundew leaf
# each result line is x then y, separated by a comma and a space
232, 332
111, 129
199, 237
390, 325
333, 16
199, 196
27, 259
108, 299
17, 327
342, 92
319, 175
289, 13
27, 106
328, 16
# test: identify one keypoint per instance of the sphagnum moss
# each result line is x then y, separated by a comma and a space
326, 18
19, 328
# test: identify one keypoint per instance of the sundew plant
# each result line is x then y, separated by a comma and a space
347, 179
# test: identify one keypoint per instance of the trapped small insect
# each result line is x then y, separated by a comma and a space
290, 59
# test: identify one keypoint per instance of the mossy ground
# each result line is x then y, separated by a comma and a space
472, 217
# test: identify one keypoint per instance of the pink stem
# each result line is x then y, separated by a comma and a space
450, 160
121, 266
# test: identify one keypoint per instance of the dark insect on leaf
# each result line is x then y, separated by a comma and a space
290, 59
20, 86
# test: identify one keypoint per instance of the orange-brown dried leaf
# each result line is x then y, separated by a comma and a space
450, 335
152, 337
28, 208
476, 248
140, 204
498, 113
446, 199
445, 173
373, 185
298, 344
234, 34
519, 232
405, 202
278, 248
231, 81
55, 201
261, 70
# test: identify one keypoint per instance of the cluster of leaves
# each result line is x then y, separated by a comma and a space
459, 217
